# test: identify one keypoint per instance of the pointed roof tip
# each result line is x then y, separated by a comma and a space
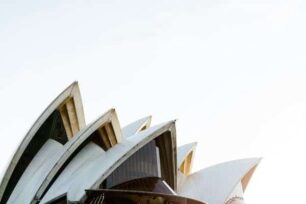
190, 144
169, 122
172, 122
145, 117
168, 125
193, 143
112, 111
258, 159
149, 117
109, 110
254, 161
74, 84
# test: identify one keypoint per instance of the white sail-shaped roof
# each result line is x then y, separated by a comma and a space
138, 125
18, 165
215, 184
183, 151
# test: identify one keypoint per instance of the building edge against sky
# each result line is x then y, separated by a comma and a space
62, 160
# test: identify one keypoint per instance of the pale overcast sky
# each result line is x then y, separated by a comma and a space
232, 72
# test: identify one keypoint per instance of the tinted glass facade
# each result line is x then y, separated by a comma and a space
143, 163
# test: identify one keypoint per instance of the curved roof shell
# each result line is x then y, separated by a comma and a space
216, 183
29, 145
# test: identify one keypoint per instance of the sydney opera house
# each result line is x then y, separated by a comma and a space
64, 160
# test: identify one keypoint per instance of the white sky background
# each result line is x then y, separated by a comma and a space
232, 72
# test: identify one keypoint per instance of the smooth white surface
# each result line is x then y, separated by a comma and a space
80, 168
181, 178
136, 126
36, 172
216, 183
